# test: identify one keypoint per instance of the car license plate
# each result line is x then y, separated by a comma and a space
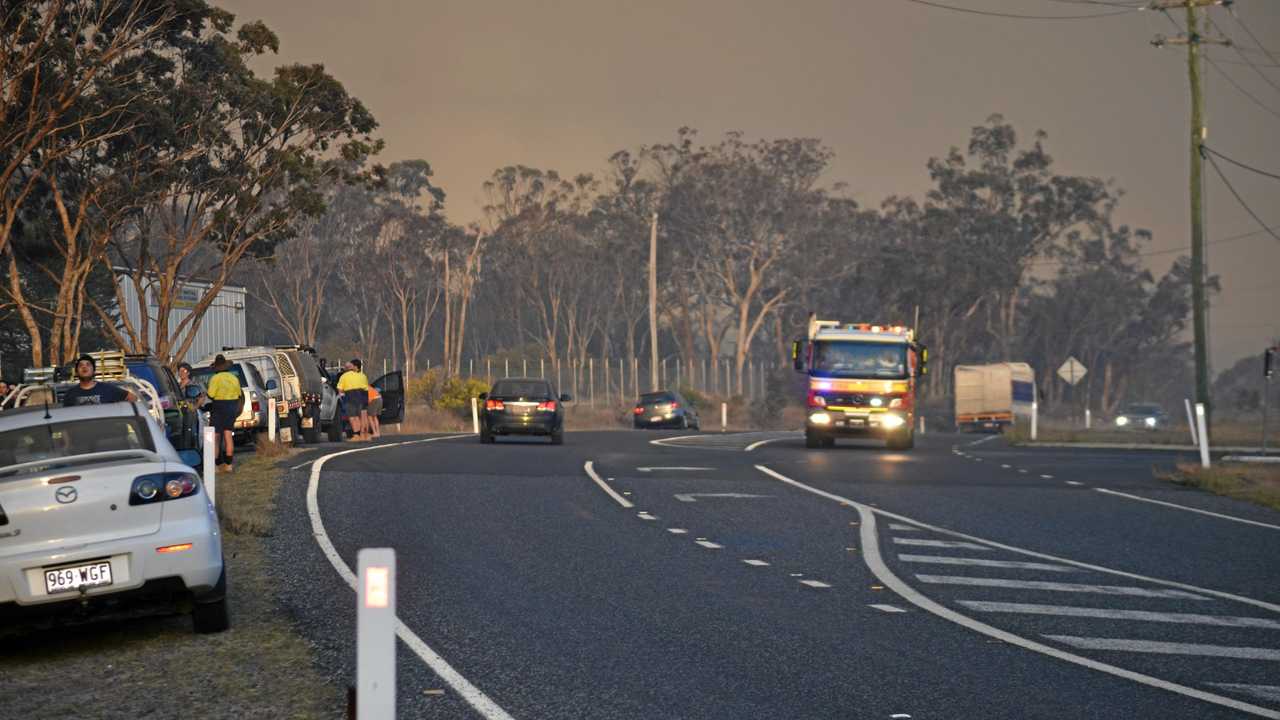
656, 418
856, 420
69, 579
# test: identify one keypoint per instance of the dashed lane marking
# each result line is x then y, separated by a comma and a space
887, 608
983, 562
1056, 586
1075, 483
677, 531
1113, 614
1047, 477
756, 563
645, 516
814, 583
1168, 648
1188, 509
709, 545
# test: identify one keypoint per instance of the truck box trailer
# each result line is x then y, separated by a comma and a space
993, 397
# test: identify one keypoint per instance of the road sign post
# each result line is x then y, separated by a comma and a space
1191, 421
1204, 436
376, 635
1269, 358
724, 416
475, 416
1035, 418
209, 446
1072, 371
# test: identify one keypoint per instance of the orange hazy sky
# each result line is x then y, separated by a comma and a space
473, 86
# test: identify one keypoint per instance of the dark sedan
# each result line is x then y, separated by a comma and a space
665, 408
522, 407
1142, 416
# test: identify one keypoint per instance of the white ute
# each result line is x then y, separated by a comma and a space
97, 510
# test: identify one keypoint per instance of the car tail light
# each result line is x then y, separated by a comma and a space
639, 410
548, 406
675, 405
257, 406
173, 548
158, 487
494, 405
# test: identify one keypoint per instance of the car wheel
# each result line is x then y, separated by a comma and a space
902, 441
212, 617
312, 434
334, 433
294, 424
812, 439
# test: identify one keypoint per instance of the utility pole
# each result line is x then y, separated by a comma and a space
653, 303
1193, 40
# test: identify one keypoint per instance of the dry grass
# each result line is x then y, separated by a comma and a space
246, 497
1256, 483
1223, 434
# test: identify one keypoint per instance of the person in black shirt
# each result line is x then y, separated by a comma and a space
90, 392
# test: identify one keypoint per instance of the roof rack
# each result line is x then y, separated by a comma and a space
110, 365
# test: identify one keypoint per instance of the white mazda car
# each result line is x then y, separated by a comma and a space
99, 512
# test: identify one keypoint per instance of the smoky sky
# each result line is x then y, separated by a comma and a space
474, 86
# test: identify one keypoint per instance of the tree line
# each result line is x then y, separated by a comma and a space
136, 137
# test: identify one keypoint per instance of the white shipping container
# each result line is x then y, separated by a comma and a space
223, 324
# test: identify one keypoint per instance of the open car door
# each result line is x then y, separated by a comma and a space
391, 386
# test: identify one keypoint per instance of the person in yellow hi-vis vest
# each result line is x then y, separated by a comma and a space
226, 398
354, 387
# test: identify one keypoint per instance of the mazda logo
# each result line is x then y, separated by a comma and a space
66, 495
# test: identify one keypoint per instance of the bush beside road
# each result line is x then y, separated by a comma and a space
155, 667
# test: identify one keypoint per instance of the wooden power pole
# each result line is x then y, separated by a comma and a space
653, 304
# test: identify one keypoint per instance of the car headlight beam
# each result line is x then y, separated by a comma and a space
1122, 421
892, 422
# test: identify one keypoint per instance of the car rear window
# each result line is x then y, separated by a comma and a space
521, 389
149, 373
657, 397
202, 375
61, 440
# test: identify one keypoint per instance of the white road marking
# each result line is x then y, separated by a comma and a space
663, 441
1022, 470
982, 562
1188, 509
1056, 586
814, 583
302, 465
677, 531
709, 545
986, 439
1073, 482
1047, 477
903, 528
589, 467
887, 608
693, 497
645, 516
1168, 648
672, 469
1266, 692
1112, 614
871, 554
755, 445
921, 542
1006, 467
756, 563
474, 697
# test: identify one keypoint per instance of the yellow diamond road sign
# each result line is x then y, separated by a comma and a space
1072, 370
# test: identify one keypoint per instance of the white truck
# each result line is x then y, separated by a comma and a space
993, 397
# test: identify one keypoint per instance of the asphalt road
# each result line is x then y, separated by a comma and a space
743, 576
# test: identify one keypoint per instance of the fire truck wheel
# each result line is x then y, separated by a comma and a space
902, 441
813, 439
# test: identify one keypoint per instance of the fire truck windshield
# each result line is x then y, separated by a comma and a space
855, 359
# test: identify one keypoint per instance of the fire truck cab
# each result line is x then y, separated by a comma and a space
862, 382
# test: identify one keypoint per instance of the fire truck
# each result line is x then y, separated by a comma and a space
862, 382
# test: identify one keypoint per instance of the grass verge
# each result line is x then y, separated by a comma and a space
1223, 434
1255, 483
156, 667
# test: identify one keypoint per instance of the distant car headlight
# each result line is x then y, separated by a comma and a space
893, 422
1151, 422
820, 418
1122, 421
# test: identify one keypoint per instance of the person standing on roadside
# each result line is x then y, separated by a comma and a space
225, 398
375, 409
92, 392
185, 381
354, 386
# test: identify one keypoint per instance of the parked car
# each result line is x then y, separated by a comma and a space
665, 408
97, 509
280, 382
1142, 416
181, 416
252, 420
523, 406
320, 399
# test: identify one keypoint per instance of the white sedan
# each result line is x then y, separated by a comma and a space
98, 509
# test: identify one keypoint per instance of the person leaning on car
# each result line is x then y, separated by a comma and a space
91, 392
354, 386
226, 399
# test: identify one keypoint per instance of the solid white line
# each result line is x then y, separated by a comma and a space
1112, 614
589, 467
921, 542
887, 608
871, 555
755, 445
709, 545
1188, 509
981, 562
673, 468
1266, 692
663, 441
1168, 648
677, 531
1055, 586
814, 583
756, 563
471, 694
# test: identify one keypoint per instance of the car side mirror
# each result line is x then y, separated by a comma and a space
797, 360
192, 392
566, 398
272, 385
191, 458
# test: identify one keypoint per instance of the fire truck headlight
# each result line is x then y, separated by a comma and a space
820, 418
892, 422
877, 402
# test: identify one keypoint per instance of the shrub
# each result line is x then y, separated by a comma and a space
456, 393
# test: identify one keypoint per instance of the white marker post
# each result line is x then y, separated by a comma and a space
376, 634
1191, 422
271, 419
1203, 434
475, 416
724, 417
1035, 418
209, 448
1088, 418
921, 424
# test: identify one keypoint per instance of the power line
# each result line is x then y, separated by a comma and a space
1239, 199
1240, 52
1156, 253
1213, 64
1239, 164
1016, 16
